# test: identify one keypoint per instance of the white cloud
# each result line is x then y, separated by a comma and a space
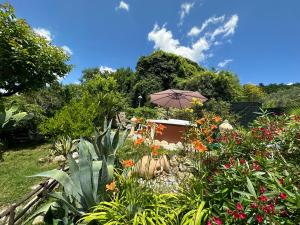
67, 50
43, 33
106, 69
123, 5
291, 83
211, 20
198, 51
163, 39
224, 63
194, 31
227, 29
185, 9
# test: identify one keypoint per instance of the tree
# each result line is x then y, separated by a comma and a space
27, 60
284, 98
221, 86
162, 71
89, 74
99, 99
253, 93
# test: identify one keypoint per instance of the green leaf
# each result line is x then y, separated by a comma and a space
63, 178
250, 187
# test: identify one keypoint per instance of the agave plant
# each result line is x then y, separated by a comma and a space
64, 146
107, 144
84, 185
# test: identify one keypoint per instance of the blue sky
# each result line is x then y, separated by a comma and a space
259, 40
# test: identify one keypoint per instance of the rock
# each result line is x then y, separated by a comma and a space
75, 155
39, 220
59, 159
225, 126
164, 143
179, 145
173, 161
157, 142
182, 168
42, 160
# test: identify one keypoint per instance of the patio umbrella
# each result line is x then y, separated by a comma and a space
172, 98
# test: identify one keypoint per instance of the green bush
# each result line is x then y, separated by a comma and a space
100, 99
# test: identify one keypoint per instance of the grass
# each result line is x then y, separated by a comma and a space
18, 164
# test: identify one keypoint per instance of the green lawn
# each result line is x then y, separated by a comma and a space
17, 165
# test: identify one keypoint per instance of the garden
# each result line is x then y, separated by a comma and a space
111, 156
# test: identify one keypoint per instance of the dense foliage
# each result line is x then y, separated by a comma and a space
100, 99
27, 61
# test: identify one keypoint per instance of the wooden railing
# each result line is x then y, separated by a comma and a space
15, 214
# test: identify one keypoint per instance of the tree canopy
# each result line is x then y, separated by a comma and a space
27, 60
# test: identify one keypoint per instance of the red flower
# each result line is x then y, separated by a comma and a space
266, 209
239, 206
282, 195
217, 220
229, 212
253, 205
209, 223
236, 215
243, 216
227, 166
281, 180
263, 198
256, 166
262, 189
283, 213
259, 218
242, 161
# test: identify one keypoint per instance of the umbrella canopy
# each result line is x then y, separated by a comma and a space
176, 98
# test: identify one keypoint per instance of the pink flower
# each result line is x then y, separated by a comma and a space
209, 223
282, 195
239, 206
259, 218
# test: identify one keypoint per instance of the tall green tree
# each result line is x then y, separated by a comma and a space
27, 60
221, 85
161, 71
253, 93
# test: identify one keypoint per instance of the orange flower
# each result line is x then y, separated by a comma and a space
213, 127
206, 132
127, 163
199, 146
209, 139
139, 141
160, 128
217, 119
111, 186
154, 149
200, 121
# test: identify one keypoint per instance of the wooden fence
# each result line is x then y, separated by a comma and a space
15, 214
